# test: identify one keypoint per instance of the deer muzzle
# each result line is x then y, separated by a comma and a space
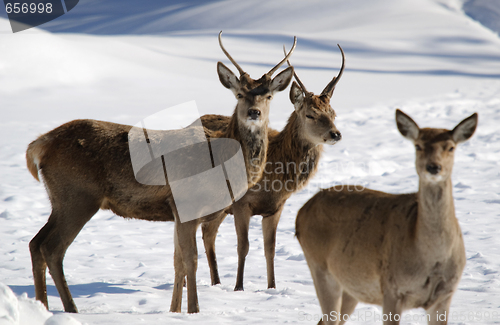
433, 169
336, 136
253, 114
332, 137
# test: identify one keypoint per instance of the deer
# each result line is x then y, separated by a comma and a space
399, 251
292, 160
86, 166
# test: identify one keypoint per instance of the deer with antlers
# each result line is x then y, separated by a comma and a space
292, 160
86, 166
398, 251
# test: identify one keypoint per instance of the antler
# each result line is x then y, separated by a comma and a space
229, 56
328, 91
295, 75
273, 70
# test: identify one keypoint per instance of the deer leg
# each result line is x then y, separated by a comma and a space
348, 305
53, 250
39, 266
209, 230
329, 294
180, 277
62, 229
347, 308
186, 245
391, 310
439, 312
269, 225
242, 217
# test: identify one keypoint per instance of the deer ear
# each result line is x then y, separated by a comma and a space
465, 129
227, 77
296, 95
408, 128
282, 80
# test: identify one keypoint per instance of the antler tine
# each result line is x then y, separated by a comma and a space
295, 74
331, 85
229, 56
273, 70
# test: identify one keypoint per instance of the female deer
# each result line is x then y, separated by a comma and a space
398, 251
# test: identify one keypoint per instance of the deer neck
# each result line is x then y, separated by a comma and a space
295, 147
293, 137
254, 144
436, 221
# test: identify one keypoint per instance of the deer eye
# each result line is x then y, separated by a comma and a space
419, 148
269, 97
239, 96
451, 149
310, 117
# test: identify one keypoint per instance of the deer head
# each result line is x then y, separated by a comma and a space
254, 96
315, 112
435, 148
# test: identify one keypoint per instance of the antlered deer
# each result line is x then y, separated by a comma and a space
292, 160
86, 166
398, 251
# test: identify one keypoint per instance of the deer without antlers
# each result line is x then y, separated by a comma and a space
292, 160
86, 166
399, 251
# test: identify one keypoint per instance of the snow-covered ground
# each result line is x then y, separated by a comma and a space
122, 62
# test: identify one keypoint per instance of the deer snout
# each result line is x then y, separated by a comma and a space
336, 136
433, 169
253, 114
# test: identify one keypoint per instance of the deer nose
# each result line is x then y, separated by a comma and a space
433, 168
253, 113
336, 135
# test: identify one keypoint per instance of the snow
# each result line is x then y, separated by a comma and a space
485, 11
122, 63
26, 311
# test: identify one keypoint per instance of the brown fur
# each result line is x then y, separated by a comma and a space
292, 160
86, 165
32, 157
300, 143
399, 251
